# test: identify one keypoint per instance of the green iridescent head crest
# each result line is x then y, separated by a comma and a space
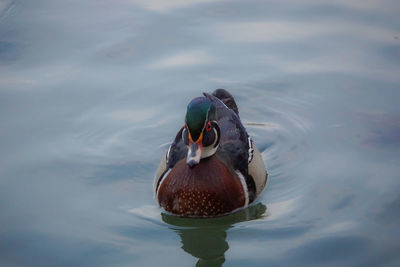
199, 111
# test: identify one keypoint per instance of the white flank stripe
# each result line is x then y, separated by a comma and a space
245, 190
159, 185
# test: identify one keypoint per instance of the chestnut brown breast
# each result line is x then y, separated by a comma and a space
207, 189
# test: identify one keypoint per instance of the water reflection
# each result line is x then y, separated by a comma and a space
205, 239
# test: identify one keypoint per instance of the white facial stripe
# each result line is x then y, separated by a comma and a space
211, 149
222, 102
216, 137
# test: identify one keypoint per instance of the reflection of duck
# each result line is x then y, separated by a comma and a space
212, 167
205, 239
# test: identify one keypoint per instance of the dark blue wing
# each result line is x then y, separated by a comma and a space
177, 150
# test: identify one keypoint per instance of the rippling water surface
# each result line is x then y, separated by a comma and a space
92, 93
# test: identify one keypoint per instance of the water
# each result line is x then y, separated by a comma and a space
92, 92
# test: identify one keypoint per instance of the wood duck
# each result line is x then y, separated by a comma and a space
212, 167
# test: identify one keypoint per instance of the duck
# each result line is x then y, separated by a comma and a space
212, 167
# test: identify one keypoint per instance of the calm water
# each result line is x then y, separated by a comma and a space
92, 92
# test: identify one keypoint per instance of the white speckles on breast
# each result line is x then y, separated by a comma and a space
196, 203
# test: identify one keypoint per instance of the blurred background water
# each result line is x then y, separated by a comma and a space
92, 93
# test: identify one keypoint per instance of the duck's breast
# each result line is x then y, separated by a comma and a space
207, 189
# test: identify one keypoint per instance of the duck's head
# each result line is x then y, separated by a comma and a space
201, 132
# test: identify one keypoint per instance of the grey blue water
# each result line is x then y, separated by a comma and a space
93, 92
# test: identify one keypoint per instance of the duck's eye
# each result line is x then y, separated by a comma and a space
208, 126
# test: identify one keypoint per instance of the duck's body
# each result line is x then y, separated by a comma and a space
212, 167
